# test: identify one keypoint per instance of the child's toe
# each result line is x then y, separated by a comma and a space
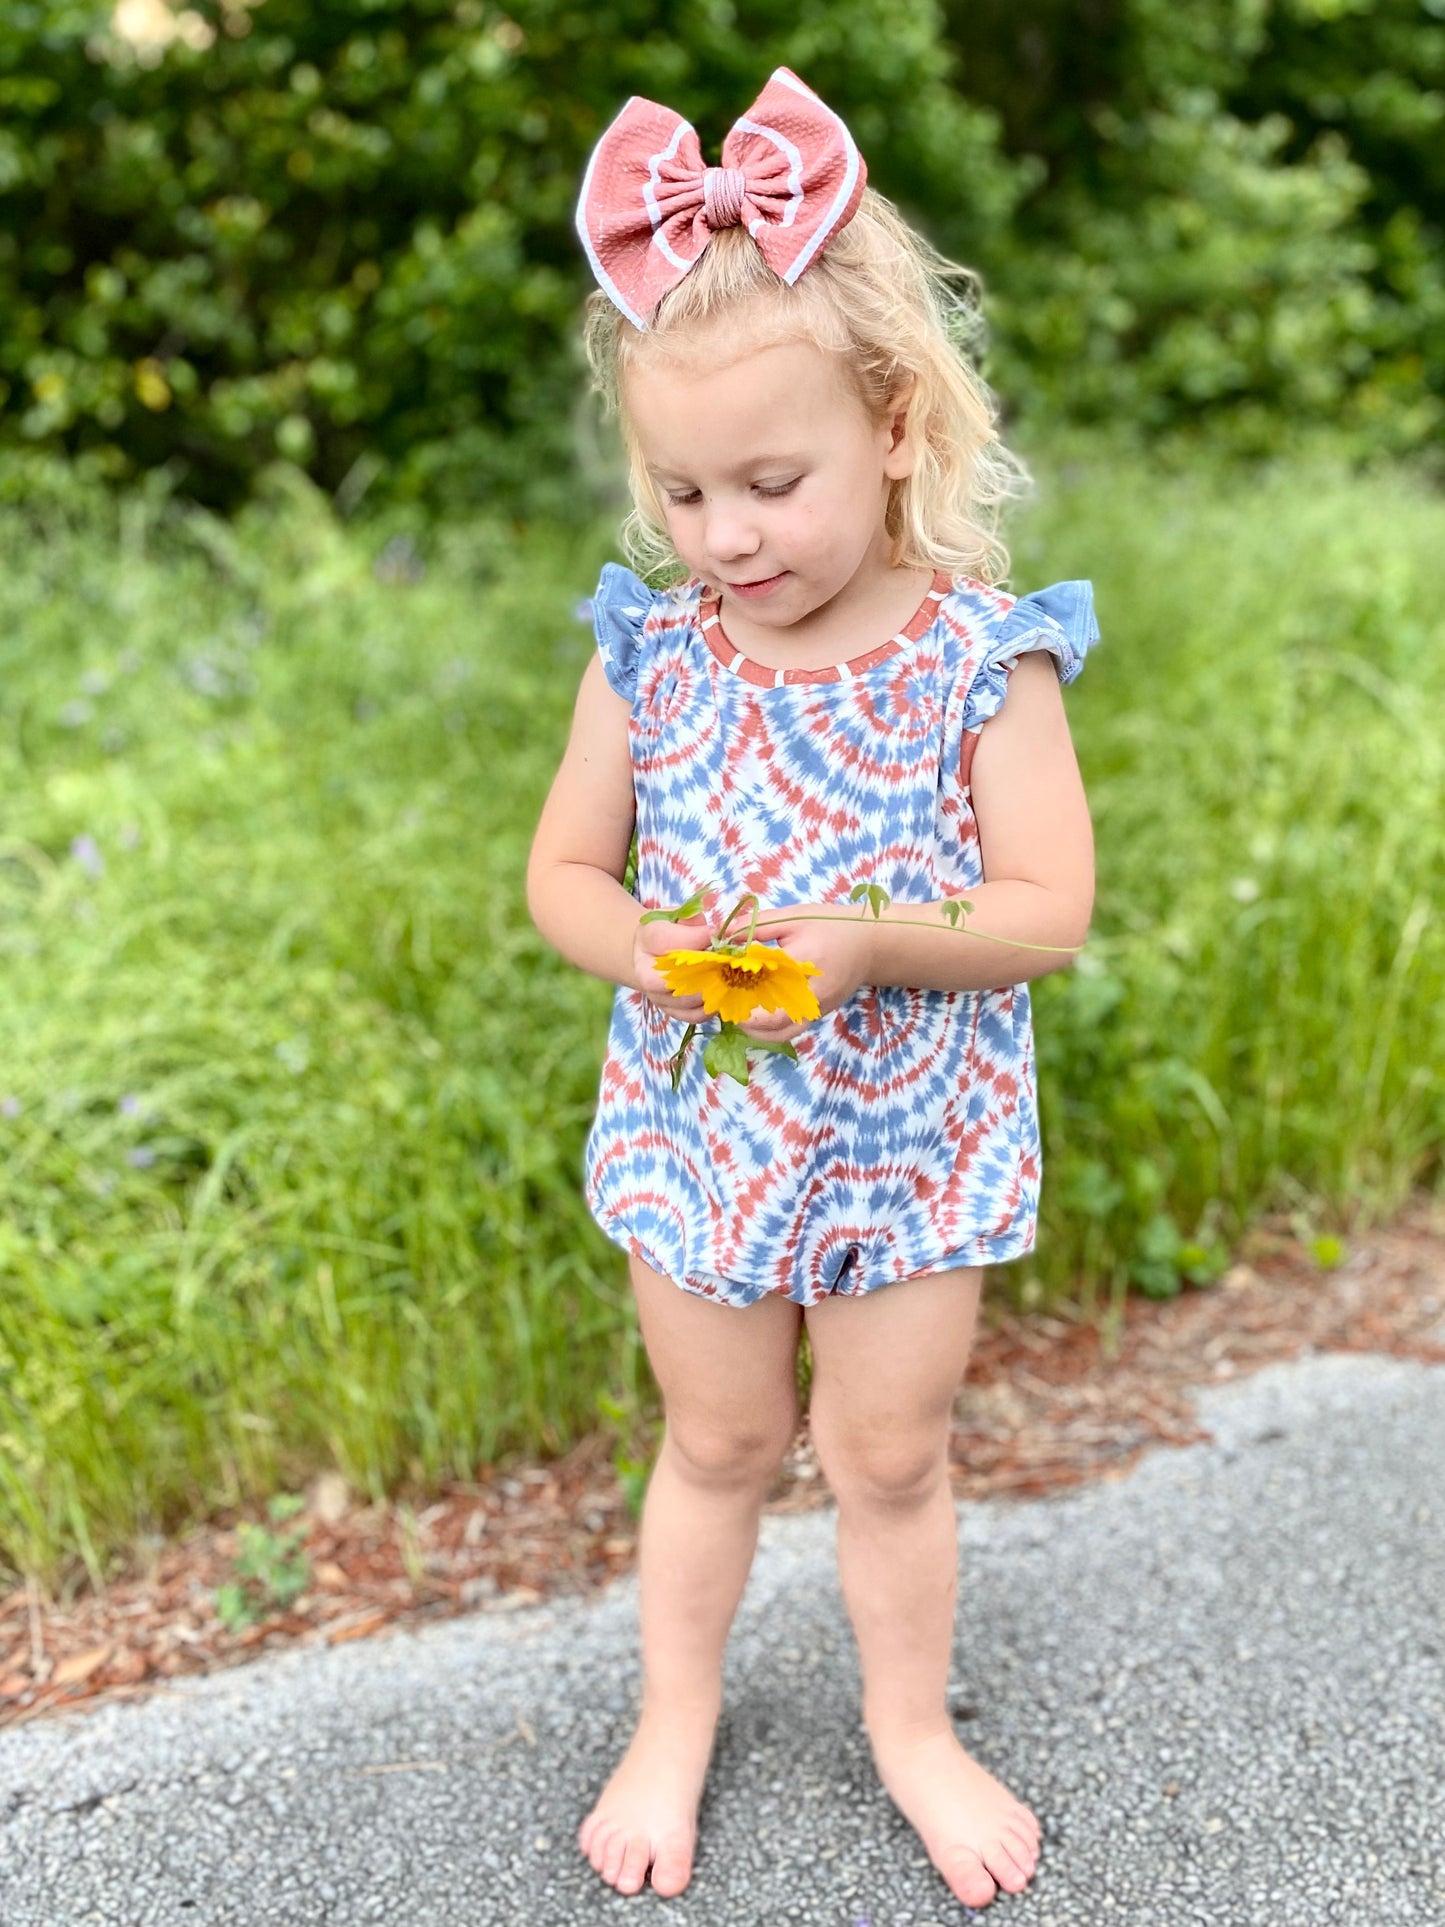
968, 1878
633, 1870
1008, 1871
612, 1853
672, 1869
1022, 1845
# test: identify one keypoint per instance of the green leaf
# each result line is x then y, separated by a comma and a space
779, 1050
681, 913
234, 1609
955, 907
1203, 1264
878, 897
1156, 1265
632, 1476
1092, 1189
679, 1056
727, 1054
1155, 1278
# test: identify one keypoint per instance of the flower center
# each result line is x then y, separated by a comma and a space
741, 977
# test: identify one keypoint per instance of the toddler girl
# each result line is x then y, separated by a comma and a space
837, 693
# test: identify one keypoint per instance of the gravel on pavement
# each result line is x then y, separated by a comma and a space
1219, 1681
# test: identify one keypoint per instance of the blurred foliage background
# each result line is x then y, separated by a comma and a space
299, 496
339, 231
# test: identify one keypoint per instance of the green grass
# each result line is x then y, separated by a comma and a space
292, 1098
1259, 1022
298, 1093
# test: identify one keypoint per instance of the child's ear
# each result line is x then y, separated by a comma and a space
898, 457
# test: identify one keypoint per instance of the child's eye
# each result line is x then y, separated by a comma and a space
781, 488
680, 500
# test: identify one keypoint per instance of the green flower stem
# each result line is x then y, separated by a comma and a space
717, 942
730, 1035
675, 1062
984, 936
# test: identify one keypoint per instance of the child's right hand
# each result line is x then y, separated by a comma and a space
652, 940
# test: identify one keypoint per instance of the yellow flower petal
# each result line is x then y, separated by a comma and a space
733, 987
736, 1002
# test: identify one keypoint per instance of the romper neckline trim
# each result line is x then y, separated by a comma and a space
726, 651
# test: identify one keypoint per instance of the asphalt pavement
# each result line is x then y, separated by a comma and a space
1219, 1681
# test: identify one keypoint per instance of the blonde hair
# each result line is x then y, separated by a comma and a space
881, 297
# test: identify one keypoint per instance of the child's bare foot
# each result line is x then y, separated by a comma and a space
647, 1813
977, 1834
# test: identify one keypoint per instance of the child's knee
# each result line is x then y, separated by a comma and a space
722, 1457
891, 1471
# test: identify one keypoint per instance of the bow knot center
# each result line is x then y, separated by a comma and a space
723, 189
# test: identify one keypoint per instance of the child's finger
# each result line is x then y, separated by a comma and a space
656, 986
659, 938
686, 1010
776, 1028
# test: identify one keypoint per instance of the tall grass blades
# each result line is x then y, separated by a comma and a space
1260, 1018
292, 1098
292, 1094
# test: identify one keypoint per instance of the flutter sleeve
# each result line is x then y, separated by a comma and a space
1059, 619
619, 609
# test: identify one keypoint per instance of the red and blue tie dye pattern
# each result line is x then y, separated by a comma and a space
905, 1138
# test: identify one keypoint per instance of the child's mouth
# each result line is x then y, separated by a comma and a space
764, 586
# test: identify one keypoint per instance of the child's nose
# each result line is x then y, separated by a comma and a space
730, 534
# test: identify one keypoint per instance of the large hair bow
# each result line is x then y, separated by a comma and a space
790, 174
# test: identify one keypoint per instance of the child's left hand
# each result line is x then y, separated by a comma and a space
841, 947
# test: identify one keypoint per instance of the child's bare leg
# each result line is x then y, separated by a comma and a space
885, 1369
729, 1387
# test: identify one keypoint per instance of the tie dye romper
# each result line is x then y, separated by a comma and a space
905, 1138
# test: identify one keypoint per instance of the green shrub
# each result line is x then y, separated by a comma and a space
342, 234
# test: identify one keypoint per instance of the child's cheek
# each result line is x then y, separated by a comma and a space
809, 533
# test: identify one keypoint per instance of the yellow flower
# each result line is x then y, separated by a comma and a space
732, 987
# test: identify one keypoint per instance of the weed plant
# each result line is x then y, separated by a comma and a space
292, 1097
292, 1093
1259, 1020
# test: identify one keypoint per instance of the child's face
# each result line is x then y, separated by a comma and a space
772, 475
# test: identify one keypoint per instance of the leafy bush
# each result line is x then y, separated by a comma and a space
1234, 222
342, 234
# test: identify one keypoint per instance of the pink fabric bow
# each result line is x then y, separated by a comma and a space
790, 174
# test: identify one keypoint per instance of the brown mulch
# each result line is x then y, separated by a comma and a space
1051, 1400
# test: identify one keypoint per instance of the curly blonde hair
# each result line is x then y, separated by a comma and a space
883, 298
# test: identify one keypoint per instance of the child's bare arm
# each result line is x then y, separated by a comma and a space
1037, 847
579, 852
579, 857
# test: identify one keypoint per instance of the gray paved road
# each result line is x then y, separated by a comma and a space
1219, 1681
